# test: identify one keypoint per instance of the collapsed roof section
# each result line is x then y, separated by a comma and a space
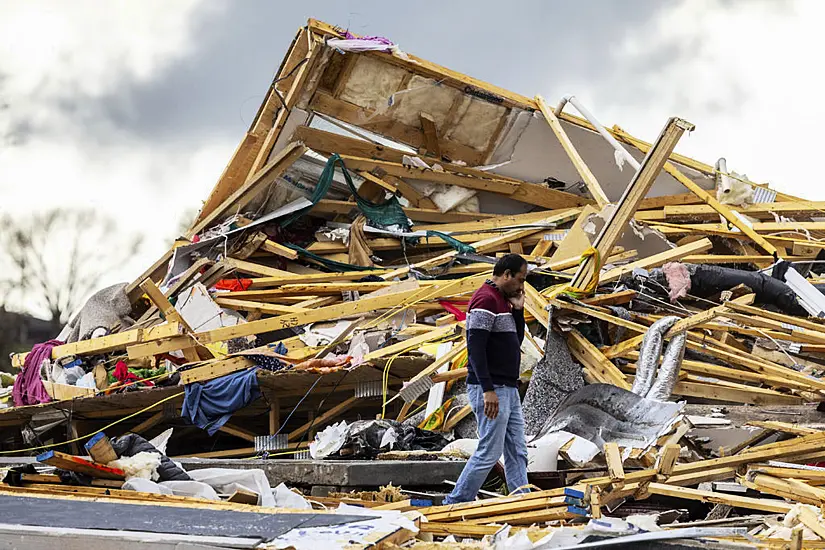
373, 107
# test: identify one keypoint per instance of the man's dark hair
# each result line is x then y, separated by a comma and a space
513, 262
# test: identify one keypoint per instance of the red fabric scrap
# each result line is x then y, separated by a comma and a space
459, 315
233, 285
125, 376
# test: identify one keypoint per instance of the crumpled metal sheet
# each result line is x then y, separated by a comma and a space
602, 412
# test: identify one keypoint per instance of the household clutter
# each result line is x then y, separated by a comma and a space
671, 369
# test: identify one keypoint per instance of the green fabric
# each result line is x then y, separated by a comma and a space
459, 246
384, 214
331, 264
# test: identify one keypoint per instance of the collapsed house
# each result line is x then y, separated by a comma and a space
315, 309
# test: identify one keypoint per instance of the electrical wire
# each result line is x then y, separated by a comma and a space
104, 428
298, 404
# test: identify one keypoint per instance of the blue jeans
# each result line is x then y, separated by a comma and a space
502, 435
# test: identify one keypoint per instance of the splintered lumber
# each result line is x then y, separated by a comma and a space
710, 346
321, 420
594, 361
80, 465
812, 521
268, 175
364, 305
411, 343
709, 199
657, 260
786, 488
458, 529
112, 342
633, 195
578, 162
100, 449
667, 458
764, 504
613, 457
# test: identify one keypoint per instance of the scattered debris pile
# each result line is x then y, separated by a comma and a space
325, 282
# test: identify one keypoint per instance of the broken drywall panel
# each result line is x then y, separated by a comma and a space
201, 312
297, 117
536, 154
500, 204
644, 240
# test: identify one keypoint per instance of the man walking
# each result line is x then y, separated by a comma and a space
495, 329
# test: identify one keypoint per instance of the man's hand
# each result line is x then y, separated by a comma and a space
490, 405
517, 301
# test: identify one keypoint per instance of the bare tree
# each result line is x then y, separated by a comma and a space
57, 258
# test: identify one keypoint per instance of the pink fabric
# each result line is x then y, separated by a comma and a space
28, 387
678, 280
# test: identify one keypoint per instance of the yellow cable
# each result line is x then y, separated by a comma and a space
104, 428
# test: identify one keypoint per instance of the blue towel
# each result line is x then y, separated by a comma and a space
209, 405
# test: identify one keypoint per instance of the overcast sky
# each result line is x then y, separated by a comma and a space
134, 107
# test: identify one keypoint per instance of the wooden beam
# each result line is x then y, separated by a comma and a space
321, 420
632, 197
113, 342
215, 369
615, 469
329, 206
237, 432
149, 423
656, 260
504, 187
294, 91
587, 176
722, 209
267, 175
278, 249
171, 314
364, 305
766, 505
253, 268
430, 134
259, 307
589, 355
667, 458
411, 343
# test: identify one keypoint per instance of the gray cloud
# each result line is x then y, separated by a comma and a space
213, 93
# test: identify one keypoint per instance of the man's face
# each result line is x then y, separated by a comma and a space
512, 285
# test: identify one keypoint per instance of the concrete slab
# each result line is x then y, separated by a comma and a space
340, 473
